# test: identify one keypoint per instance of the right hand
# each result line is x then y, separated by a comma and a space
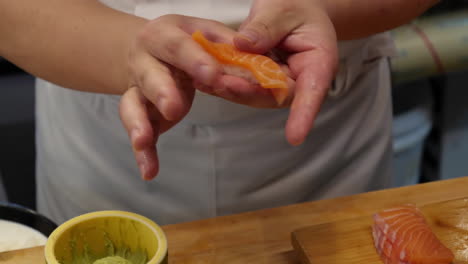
305, 31
164, 62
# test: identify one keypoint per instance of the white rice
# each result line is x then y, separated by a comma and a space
15, 236
239, 72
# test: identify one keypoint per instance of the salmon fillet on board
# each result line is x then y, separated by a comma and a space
254, 67
403, 236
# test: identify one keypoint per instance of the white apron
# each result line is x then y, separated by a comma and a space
222, 158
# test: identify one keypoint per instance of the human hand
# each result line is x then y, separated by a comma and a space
303, 29
164, 62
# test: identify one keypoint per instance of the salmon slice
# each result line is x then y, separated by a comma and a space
254, 67
402, 236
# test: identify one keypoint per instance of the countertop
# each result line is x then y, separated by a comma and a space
265, 236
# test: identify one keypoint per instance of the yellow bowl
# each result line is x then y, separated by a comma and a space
107, 233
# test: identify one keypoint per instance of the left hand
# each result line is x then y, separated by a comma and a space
163, 61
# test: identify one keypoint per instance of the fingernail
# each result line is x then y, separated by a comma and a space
250, 35
142, 166
142, 171
133, 137
161, 105
297, 142
205, 74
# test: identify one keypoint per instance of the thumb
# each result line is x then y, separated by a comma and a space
265, 27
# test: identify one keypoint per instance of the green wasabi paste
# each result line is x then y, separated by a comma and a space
112, 260
113, 255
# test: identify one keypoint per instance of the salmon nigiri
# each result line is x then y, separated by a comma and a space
255, 67
402, 236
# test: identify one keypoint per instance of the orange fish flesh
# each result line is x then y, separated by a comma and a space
402, 236
265, 71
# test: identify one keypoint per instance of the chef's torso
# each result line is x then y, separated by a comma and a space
223, 157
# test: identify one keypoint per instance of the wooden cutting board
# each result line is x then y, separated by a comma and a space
23, 256
264, 236
351, 242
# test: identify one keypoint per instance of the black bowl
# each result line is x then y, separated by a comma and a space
22, 215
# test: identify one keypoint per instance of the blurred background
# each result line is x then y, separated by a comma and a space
430, 77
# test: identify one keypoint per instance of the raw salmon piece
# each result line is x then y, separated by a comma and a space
402, 236
265, 71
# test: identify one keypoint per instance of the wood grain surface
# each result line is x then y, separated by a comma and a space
351, 242
23, 256
265, 236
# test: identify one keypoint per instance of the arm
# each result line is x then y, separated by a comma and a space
85, 45
81, 45
360, 18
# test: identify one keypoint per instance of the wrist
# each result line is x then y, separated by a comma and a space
135, 26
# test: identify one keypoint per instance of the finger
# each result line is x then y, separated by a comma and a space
135, 119
238, 90
142, 132
156, 82
311, 87
267, 24
148, 163
253, 94
158, 122
186, 89
178, 49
